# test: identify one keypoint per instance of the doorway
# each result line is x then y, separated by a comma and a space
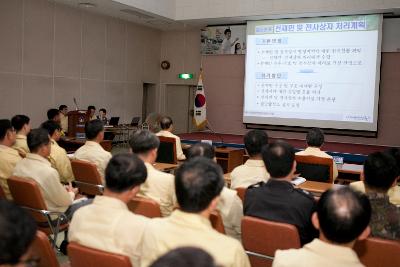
149, 100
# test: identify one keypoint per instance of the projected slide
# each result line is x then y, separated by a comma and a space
321, 72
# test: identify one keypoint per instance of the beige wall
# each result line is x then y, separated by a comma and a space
50, 53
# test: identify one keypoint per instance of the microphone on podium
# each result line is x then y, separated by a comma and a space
219, 136
76, 104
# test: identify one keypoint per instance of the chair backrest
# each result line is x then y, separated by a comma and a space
377, 252
2, 194
167, 150
87, 177
216, 222
261, 238
26, 193
241, 192
81, 256
42, 249
145, 206
315, 168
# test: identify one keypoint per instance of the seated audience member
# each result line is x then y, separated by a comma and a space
17, 233
166, 131
380, 174
107, 224
253, 171
91, 111
184, 257
230, 206
9, 157
53, 114
37, 167
277, 199
198, 183
394, 191
58, 156
20, 123
63, 117
103, 116
152, 121
159, 186
342, 218
315, 140
92, 150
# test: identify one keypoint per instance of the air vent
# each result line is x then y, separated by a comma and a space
137, 14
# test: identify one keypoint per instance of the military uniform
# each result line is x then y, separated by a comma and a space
9, 158
178, 146
393, 193
21, 145
385, 219
64, 123
253, 171
60, 161
280, 201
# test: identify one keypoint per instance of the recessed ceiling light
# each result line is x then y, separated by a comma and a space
86, 5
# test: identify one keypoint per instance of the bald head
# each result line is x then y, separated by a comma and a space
343, 214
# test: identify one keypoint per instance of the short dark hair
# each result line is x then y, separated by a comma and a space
37, 138
18, 121
91, 107
143, 141
197, 182
103, 110
165, 122
395, 153
343, 214
125, 171
227, 30
50, 126
380, 171
52, 113
315, 137
201, 150
17, 232
5, 126
185, 256
93, 128
61, 107
254, 141
278, 158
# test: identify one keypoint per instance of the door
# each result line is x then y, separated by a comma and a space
149, 100
177, 106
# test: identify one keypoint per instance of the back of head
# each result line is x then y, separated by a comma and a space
50, 126
395, 153
254, 141
184, 257
62, 107
18, 121
143, 141
37, 138
124, 172
52, 113
278, 158
5, 126
343, 214
91, 108
197, 182
201, 150
165, 123
315, 137
93, 128
17, 232
103, 110
380, 171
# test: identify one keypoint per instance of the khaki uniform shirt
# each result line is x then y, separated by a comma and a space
393, 193
39, 169
64, 123
252, 172
317, 254
230, 208
160, 187
9, 157
190, 229
179, 152
108, 225
21, 145
95, 153
60, 161
94, 117
315, 151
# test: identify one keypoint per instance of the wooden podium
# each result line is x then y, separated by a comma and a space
76, 123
